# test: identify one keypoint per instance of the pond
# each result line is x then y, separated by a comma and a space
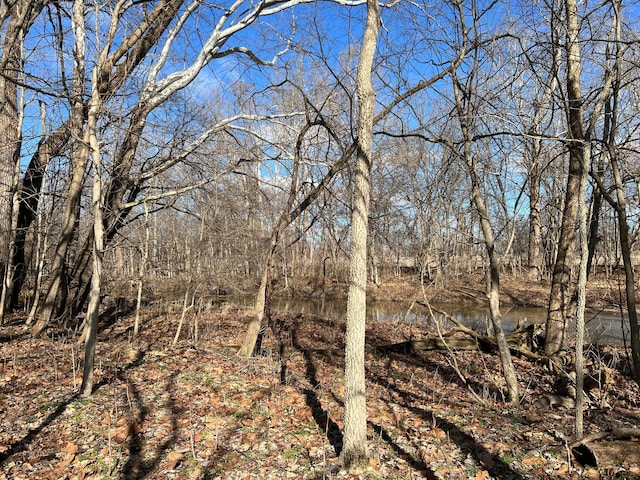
602, 327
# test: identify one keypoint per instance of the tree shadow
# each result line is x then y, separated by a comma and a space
11, 337
496, 467
116, 310
410, 459
23, 444
447, 372
320, 415
136, 467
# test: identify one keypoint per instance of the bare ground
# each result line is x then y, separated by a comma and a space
195, 411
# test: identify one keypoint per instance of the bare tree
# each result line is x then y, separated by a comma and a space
354, 453
123, 186
92, 148
581, 133
618, 200
291, 212
16, 19
464, 92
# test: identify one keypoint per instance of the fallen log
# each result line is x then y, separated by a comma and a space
412, 346
446, 341
519, 338
617, 449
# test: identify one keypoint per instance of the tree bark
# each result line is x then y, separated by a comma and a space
9, 131
354, 453
620, 206
260, 307
79, 161
21, 15
93, 309
563, 289
493, 283
579, 156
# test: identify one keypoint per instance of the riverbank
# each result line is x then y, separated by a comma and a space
603, 293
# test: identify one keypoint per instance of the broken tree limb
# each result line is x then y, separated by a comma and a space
617, 449
430, 344
617, 433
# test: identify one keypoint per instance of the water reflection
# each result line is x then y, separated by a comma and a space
602, 327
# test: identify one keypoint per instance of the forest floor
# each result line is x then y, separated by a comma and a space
194, 410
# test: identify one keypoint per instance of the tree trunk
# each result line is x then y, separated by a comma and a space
535, 259
289, 215
579, 156
79, 161
260, 308
493, 285
22, 13
32, 184
7, 279
465, 115
115, 71
142, 271
563, 289
354, 453
629, 276
9, 129
93, 309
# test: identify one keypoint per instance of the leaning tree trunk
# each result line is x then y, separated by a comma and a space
98, 245
30, 195
493, 285
79, 157
115, 72
260, 307
620, 203
465, 115
620, 206
256, 324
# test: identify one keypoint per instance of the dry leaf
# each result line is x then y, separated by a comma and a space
71, 448
173, 458
533, 461
482, 474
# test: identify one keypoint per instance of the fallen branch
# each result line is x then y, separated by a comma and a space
618, 450
617, 433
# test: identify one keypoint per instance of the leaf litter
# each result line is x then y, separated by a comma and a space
196, 411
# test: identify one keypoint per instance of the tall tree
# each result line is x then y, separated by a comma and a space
115, 72
354, 453
16, 19
618, 200
92, 149
467, 110
562, 287
581, 133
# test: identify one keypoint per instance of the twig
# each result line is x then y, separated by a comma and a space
453, 362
